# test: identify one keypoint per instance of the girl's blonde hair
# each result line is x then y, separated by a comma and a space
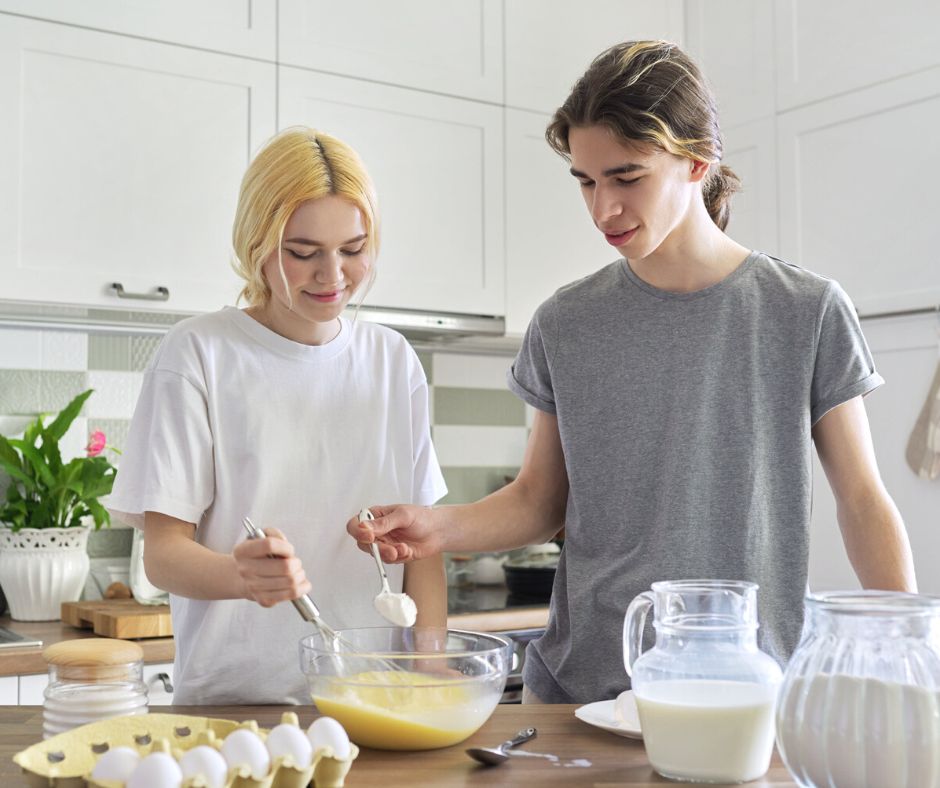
296, 165
652, 92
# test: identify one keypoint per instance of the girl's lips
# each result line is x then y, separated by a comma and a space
325, 298
619, 239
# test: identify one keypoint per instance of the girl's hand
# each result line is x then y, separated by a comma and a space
403, 532
269, 570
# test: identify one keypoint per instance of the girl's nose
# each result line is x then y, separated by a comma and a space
331, 270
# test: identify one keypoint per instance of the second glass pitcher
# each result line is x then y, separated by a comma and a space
705, 693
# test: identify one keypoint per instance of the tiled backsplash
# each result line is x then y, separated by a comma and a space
479, 428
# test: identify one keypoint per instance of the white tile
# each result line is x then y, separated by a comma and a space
472, 372
115, 394
479, 446
529, 416
65, 350
20, 348
13, 426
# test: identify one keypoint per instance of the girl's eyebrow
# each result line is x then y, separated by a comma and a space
623, 169
311, 242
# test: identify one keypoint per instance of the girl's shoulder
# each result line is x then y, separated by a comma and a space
193, 337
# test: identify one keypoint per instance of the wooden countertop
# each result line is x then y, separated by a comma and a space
23, 661
614, 761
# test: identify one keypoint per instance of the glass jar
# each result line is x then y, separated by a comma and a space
143, 590
860, 702
705, 692
92, 679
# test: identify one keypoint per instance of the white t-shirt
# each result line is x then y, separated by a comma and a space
236, 420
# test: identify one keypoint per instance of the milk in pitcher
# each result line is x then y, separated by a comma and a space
703, 730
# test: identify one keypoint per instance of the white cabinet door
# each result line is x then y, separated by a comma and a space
121, 163
245, 28
828, 48
856, 192
732, 42
437, 163
751, 151
549, 44
159, 680
550, 237
31, 688
9, 690
452, 48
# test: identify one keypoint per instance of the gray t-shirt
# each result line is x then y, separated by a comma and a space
685, 420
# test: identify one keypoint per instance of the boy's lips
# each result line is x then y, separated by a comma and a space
619, 239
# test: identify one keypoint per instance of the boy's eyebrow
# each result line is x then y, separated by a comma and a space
623, 169
311, 242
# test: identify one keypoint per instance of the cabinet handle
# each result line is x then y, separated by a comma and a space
164, 679
162, 293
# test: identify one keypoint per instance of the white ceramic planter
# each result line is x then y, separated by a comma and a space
40, 568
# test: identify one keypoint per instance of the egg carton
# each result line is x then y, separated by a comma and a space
67, 760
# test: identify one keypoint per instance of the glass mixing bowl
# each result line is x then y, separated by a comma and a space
398, 688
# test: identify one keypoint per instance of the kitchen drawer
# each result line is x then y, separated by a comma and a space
31, 688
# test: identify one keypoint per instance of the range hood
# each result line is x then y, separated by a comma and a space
425, 330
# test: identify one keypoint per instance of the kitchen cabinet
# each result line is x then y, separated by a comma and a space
852, 198
247, 28
9, 691
550, 237
732, 42
548, 47
827, 49
159, 681
122, 161
31, 688
450, 48
751, 151
437, 163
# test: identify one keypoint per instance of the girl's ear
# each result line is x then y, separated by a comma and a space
699, 170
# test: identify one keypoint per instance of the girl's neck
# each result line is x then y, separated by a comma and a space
695, 255
289, 325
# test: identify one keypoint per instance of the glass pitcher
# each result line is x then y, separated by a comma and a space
860, 701
705, 693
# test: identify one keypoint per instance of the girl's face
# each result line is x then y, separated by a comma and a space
637, 194
325, 259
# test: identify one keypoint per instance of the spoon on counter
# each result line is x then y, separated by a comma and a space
400, 609
494, 756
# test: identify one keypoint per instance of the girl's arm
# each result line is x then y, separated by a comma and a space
872, 529
264, 570
426, 583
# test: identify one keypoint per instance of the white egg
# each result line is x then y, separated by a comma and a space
116, 764
288, 740
327, 732
205, 762
157, 770
243, 747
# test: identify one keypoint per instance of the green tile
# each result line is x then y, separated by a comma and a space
427, 362
57, 389
465, 485
19, 391
110, 542
109, 351
115, 431
141, 351
478, 407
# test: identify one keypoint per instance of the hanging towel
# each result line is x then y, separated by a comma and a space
923, 447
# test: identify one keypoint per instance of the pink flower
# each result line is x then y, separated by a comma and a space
96, 444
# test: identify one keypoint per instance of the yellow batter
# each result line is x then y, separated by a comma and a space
399, 710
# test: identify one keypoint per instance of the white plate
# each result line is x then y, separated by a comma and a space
601, 715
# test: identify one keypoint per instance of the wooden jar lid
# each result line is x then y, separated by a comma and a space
93, 652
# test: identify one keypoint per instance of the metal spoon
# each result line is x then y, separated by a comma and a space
400, 609
493, 756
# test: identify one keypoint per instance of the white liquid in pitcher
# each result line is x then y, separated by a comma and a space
708, 731
861, 733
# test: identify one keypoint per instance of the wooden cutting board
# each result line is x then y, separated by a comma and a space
119, 618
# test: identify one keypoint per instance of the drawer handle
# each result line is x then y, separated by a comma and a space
162, 293
164, 679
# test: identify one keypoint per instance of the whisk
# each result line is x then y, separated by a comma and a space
310, 612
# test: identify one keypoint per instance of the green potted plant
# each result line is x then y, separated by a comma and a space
49, 509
